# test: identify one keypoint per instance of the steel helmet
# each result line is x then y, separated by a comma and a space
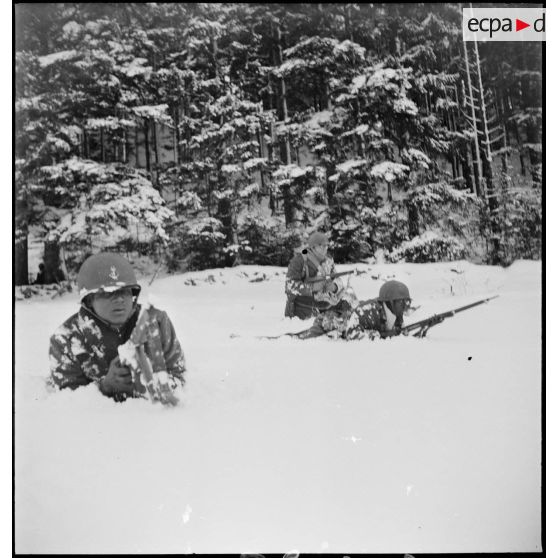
106, 272
393, 290
317, 238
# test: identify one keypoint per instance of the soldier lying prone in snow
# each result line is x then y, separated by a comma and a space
377, 317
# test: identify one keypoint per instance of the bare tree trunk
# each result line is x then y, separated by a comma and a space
146, 144
186, 152
103, 156
214, 52
137, 147
533, 138
272, 62
224, 215
84, 147
125, 145
270, 94
478, 179
53, 273
471, 101
234, 225
484, 119
451, 126
175, 137
259, 137
348, 22
21, 261
467, 170
517, 134
284, 147
413, 220
500, 105
272, 200
502, 110
487, 160
208, 193
156, 152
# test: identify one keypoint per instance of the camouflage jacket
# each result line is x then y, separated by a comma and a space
82, 348
304, 299
367, 320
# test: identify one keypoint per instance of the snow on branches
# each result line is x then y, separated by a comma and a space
438, 194
430, 246
156, 112
347, 168
379, 77
109, 123
415, 158
286, 174
108, 198
136, 67
319, 53
389, 171
62, 56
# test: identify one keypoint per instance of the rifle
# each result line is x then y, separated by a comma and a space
424, 325
132, 354
329, 276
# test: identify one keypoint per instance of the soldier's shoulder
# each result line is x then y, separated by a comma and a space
371, 303
158, 314
298, 256
154, 310
296, 265
67, 328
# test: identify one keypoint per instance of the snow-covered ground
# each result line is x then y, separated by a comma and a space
401, 445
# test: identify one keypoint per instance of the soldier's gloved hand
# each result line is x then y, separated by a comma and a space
118, 379
317, 286
330, 287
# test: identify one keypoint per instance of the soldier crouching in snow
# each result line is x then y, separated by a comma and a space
378, 317
307, 296
85, 347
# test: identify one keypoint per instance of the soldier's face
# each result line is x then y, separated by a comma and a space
321, 250
399, 307
116, 307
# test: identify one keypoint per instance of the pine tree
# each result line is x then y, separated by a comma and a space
328, 116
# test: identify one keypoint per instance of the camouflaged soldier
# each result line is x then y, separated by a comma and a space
382, 316
375, 318
84, 349
305, 298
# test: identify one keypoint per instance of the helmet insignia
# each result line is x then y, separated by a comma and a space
113, 275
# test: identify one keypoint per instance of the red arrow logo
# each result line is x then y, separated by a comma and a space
519, 25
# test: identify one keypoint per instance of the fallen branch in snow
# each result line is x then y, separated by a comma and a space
258, 279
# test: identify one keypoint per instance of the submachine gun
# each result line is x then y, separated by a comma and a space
423, 326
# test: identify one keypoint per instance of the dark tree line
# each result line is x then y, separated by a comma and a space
215, 134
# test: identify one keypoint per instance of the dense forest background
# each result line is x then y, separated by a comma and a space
205, 135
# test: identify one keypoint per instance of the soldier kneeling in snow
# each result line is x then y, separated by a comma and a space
307, 295
378, 317
85, 347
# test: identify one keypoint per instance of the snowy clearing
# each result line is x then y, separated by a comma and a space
402, 445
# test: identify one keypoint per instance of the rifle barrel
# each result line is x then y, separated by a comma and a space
330, 276
445, 315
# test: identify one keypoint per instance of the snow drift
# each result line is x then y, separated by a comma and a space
402, 445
